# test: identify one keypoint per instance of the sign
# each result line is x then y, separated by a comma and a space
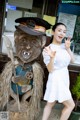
69, 20
70, 1
21, 3
11, 7
77, 30
69, 8
50, 19
30, 14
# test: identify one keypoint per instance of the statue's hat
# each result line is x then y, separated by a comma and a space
33, 25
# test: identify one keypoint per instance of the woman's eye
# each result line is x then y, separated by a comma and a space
59, 30
64, 32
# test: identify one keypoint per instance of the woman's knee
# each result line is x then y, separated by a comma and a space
72, 105
69, 104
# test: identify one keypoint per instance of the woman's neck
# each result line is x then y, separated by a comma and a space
56, 43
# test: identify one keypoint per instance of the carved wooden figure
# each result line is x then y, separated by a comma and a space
24, 73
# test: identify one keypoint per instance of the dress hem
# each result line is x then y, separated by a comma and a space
58, 100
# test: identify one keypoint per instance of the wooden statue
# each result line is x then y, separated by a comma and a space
23, 75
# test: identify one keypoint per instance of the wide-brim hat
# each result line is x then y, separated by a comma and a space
29, 30
28, 24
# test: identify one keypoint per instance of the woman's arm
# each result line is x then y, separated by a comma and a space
50, 66
71, 55
51, 53
67, 45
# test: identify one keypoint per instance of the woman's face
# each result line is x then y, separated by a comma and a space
59, 33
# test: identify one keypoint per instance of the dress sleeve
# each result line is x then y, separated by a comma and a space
46, 58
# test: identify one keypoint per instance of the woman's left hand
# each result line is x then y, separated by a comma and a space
67, 43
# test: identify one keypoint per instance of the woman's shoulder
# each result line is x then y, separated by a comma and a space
47, 46
63, 45
51, 45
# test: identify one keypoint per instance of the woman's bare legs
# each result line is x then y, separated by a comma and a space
68, 107
47, 110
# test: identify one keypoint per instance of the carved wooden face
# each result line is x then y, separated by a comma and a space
28, 47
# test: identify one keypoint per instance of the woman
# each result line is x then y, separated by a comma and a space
57, 57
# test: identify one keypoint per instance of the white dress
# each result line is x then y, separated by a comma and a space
57, 87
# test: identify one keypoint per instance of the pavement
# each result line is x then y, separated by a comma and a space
55, 114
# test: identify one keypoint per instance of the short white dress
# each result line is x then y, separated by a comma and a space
57, 87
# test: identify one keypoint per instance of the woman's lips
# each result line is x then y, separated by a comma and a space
60, 37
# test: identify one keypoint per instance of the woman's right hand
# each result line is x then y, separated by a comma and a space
50, 52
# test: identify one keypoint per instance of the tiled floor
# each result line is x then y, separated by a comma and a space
55, 114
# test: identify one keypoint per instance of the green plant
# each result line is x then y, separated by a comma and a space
76, 92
